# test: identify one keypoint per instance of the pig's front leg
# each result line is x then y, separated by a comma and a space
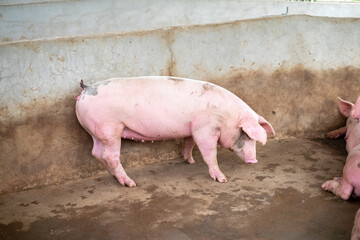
336, 133
339, 187
206, 139
355, 234
187, 151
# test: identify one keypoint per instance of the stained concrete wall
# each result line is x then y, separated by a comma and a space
289, 69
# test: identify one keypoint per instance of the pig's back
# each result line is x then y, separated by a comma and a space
165, 93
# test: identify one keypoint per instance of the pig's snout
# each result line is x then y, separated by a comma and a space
251, 160
247, 154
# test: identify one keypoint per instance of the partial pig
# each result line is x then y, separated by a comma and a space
349, 183
355, 234
161, 108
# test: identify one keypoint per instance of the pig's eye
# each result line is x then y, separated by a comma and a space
240, 142
243, 135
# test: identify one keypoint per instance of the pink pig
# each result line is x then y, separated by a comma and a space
350, 181
160, 108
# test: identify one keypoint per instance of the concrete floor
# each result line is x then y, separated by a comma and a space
278, 198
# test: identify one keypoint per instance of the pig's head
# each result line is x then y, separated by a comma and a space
251, 130
349, 110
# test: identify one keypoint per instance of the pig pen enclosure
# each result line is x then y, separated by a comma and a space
288, 61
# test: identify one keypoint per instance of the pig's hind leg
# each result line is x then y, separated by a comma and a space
98, 149
339, 187
110, 138
187, 151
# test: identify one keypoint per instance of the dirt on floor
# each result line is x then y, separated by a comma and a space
280, 197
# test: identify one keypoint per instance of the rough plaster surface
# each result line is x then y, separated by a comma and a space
288, 69
29, 19
277, 198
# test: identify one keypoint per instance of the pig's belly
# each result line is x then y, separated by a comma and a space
155, 133
160, 123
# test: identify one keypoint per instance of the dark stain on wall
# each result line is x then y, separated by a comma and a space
304, 100
47, 146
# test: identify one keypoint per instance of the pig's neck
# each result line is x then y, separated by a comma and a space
353, 135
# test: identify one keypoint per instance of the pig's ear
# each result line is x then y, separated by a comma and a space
266, 125
356, 110
254, 131
345, 107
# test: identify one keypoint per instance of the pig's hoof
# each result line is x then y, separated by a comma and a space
333, 135
222, 180
190, 160
219, 176
339, 187
127, 182
325, 185
330, 185
131, 184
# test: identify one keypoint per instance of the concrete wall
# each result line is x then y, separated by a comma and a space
38, 19
288, 69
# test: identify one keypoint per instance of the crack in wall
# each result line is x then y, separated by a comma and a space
169, 37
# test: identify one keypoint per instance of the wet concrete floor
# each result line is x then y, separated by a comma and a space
278, 198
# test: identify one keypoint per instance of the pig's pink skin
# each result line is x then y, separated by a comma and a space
187, 150
337, 133
350, 181
160, 108
355, 234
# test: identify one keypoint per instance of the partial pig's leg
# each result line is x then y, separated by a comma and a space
187, 151
111, 141
355, 234
336, 133
97, 149
206, 141
339, 187
356, 191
